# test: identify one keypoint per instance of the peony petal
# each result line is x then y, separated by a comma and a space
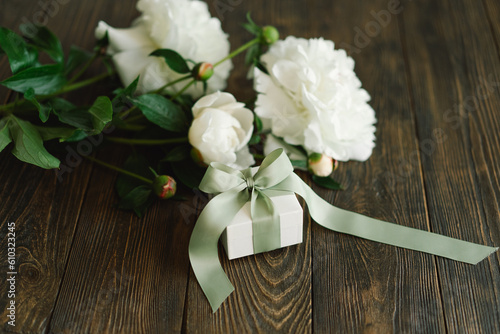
135, 37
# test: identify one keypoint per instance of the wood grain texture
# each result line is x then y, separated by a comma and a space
363, 286
125, 274
86, 267
273, 291
461, 171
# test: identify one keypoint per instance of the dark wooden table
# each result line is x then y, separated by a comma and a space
433, 71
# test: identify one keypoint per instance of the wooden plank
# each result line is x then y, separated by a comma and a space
452, 57
272, 290
124, 274
363, 286
45, 212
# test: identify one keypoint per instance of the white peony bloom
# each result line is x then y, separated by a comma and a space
313, 98
181, 25
221, 130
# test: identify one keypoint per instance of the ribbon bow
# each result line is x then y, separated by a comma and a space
235, 188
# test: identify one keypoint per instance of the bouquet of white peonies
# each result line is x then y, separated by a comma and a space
173, 63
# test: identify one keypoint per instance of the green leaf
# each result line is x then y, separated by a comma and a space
255, 139
44, 39
60, 104
101, 113
43, 110
174, 60
327, 182
136, 164
162, 112
76, 58
136, 199
79, 118
21, 56
5, 138
188, 172
300, 164
44, 80
258, 123
29, 144
49, 133
253, 52
77, 135
178, 153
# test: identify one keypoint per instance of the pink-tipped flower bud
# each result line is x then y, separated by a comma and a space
164, 186
203, 71
321, 165
270, 34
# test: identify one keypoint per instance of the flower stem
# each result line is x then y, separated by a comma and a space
170, 84
150, 142
183, 90
84, 68
80, 84
63, 90
238, 51
120, 170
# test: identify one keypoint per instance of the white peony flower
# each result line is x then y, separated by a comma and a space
221, 130
313, 98
181, 25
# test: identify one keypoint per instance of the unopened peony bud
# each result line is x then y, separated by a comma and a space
164, 186
321, 165
203, 71
270, 34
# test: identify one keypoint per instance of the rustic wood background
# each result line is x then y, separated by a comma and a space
433, 71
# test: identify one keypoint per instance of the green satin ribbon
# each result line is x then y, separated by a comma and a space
235, 188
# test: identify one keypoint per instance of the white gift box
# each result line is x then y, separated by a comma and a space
238, 237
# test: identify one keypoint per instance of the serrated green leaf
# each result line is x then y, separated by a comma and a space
49, 133
43, 110
5, 138
101, 113
21, 56
76, 58
174, 60
162, 112
178, 153
44, 80
44, 39
327, 182
29, 144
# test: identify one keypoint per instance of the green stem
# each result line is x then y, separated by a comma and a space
84, 68
127, 112
120, 170
258, 156
133, 118
63, 90
170, 84
182, 90
238, 51
80, 84
150, 142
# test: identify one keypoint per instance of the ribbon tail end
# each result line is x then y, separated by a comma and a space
491, 250
216, 302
